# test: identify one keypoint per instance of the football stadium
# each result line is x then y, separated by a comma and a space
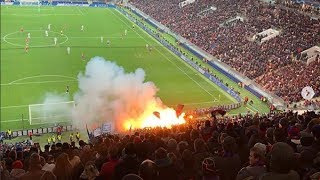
160, 89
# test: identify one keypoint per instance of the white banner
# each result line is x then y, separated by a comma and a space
201, 70
97, 132
106, 127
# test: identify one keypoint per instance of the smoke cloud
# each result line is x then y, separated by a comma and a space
108, 94
54, 108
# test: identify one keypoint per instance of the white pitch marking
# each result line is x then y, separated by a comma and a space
49, 75
13, 120
5, 39
80, 11
6, 107
37, 82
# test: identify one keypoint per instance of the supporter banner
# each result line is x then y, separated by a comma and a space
201, 70
97, 132
7, 3
102, 5
36, 132
106, 128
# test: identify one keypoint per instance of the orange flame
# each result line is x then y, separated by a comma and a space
167, 118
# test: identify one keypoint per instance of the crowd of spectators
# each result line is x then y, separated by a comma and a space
314, 103
286, 80
233, 43
273, 146
312, 6
307, 104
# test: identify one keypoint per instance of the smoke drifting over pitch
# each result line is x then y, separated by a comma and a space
108, 94
55, 108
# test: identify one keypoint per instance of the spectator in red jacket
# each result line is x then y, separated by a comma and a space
107, 169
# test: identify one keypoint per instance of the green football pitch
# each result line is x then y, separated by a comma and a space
47, 68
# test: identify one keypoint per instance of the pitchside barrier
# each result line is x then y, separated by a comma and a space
229, 107
37, 131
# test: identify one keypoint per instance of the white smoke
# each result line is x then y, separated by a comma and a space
54, 108
108, 94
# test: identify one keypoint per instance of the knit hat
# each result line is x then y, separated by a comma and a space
19, 149
294, 132
17, 165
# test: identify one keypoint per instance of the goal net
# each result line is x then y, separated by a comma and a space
50, 113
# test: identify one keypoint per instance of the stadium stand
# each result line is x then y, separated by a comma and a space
272, 146
233, 44
308, 6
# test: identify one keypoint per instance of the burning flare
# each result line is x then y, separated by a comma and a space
163, 117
